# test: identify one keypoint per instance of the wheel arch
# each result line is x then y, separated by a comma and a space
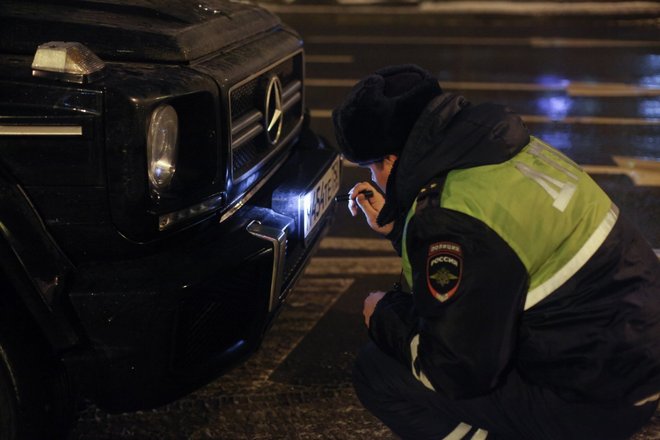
33, 270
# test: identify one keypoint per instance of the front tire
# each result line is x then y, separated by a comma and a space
35, 402
8, 406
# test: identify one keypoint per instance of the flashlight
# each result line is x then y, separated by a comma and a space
346, 197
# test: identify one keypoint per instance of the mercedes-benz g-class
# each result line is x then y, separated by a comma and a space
160, 193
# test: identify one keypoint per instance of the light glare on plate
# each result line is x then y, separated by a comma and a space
307, 208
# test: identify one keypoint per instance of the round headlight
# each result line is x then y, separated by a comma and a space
162, 146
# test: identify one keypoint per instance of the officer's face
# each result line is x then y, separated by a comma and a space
380, 171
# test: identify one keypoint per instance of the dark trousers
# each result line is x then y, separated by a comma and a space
516, 410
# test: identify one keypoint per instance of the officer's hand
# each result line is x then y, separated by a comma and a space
370, 305
370, 206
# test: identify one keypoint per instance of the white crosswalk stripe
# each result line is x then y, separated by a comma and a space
354, 266
354, 244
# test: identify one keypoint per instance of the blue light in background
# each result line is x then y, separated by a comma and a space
650, 108
554, 107
553, 82
651, 64
561, 140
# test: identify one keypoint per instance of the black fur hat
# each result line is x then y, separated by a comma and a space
376, 117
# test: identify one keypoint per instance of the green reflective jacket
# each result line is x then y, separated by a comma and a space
552, 214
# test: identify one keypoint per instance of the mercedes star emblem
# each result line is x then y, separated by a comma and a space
274, 113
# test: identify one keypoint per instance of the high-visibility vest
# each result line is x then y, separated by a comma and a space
548, 210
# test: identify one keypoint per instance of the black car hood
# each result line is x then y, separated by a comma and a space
176, 31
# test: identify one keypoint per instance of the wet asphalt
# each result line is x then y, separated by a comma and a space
587, 82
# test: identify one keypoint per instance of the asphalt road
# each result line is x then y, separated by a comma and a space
588, 84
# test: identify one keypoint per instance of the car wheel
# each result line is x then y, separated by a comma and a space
8, 412
35, 401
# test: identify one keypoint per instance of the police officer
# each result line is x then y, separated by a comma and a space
533, 309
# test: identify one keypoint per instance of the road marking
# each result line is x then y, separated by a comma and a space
483, 7
535, 42
308, 303
571, 88
590, 120
643, 172
575, 120
349, 266
611, 90
545, 42
357, 244
330, 59
534, 8
368, 2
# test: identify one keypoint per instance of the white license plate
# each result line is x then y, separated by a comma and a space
317, 200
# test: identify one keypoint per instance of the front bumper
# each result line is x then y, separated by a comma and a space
166, 322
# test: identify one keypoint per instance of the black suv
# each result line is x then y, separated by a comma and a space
160, 193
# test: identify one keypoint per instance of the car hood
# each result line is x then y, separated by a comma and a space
176, 31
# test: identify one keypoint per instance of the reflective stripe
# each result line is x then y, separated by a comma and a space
648, 399
561, 192
458, 432
405, 261
41, 130
536, 148
414, 345
481, 434
574, 264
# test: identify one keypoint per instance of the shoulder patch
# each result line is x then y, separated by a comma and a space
444, 269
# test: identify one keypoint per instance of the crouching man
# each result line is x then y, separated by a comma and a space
534, 305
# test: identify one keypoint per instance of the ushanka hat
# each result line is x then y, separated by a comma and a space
378, 114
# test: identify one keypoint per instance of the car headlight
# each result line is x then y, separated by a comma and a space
162, 146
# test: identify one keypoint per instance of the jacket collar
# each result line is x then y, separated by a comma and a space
451, 134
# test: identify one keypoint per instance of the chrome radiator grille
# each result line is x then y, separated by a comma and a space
266, 111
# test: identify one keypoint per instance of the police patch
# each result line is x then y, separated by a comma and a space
444, 269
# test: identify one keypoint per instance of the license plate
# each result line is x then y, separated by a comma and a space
318, 199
